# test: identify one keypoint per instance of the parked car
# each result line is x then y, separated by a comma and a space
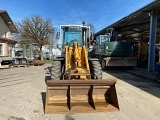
47, 55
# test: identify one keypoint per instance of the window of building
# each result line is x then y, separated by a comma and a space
9, 50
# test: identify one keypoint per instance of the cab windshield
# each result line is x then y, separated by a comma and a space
71, 35
104, 38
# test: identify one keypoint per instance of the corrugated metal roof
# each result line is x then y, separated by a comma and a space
8, 21
137, 22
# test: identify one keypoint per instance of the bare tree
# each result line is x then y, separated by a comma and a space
92, 28
37, 30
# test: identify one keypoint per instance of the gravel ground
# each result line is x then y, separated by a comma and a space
22, 93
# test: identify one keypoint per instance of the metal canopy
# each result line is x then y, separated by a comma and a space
137, 22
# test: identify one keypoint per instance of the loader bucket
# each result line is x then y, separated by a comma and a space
77, 96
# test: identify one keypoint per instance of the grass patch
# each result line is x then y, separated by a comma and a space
45, 61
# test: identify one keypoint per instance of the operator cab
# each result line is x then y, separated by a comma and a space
73, 33
69, 34
101, 39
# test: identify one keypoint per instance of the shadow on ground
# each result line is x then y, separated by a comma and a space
48, 77
141, 82
43, 95
48, 70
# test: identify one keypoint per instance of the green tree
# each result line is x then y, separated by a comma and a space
36, 30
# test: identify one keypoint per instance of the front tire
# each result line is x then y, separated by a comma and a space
23, 61
96, 70
56, 70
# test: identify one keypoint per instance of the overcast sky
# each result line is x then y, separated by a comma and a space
100, 13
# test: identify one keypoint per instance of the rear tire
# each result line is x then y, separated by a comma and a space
96, 70
103, 63
56, 70
23, 61
16, 61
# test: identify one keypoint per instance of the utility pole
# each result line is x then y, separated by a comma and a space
50, 46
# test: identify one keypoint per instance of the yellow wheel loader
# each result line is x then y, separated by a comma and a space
77, 84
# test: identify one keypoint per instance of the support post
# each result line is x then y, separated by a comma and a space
152, 41
31, 51
24, 51
115, 34
0, 61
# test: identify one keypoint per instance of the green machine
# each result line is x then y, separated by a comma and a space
114, 53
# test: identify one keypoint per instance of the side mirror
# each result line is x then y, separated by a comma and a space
57, 35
